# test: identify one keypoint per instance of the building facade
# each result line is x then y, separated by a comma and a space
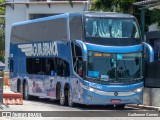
21, 10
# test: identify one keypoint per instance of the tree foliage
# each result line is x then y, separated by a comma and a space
153, 16
2, 31
113, 5
126, 6
2, 9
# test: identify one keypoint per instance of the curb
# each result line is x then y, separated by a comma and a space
144, 107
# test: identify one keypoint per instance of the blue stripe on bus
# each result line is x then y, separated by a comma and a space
42, 19
104, 87
114, 49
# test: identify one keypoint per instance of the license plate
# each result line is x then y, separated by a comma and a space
115, 100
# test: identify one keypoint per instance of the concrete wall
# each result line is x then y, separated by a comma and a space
22, 12
12, 16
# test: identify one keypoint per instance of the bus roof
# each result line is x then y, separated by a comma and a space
42, 19
108, 14
87, 14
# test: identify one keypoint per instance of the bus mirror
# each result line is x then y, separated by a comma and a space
84, 49
150, 51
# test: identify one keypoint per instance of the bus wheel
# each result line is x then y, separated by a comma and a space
70, 100
62, 98
25, 92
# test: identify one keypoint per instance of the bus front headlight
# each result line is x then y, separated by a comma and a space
138, 90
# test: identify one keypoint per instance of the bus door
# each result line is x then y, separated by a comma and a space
78, 67
79, 54
152, 69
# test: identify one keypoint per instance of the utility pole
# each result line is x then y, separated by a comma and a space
142, 22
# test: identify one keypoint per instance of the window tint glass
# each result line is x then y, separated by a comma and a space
47, 66
76, 28
111, 28
51, 30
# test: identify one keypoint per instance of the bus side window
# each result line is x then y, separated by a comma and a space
62, 68
47, 66
30, 65
52, 67
79, 65
38, 66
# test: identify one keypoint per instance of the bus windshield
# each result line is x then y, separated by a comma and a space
107, 66
97, 29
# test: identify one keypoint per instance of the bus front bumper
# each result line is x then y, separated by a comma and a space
90, 97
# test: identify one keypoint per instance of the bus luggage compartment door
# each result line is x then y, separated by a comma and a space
152, 78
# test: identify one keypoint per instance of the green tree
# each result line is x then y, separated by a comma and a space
2, 31
126, 6
153, 16
2, 9
113, 5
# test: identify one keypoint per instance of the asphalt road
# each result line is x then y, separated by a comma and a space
84, 112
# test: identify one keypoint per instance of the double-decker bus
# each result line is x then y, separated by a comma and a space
92, 58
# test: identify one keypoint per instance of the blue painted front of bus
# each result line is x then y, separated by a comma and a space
92, 93
98, 94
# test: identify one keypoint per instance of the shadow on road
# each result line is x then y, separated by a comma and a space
81, 106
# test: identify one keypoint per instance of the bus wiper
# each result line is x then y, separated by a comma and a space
135, 79
138, 79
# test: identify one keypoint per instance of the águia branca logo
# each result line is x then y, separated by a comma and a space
39, 49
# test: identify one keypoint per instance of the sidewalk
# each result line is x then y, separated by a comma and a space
144, 107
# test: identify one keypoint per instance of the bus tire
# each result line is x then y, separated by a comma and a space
70, 100
62, 98
25, 91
